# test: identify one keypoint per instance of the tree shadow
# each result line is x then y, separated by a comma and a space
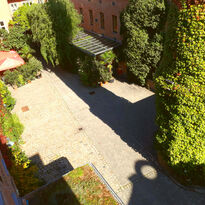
57, 190
150, 186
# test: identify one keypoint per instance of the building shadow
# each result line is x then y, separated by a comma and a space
151, 186
133, 122
56, 190
53, 170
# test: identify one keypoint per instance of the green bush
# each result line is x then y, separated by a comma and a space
30, 70
12, 127
24, 73
7, 99
180, 87
87, 71
20, 17
141, 23
93, 71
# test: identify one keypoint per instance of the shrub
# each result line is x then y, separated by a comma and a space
93, 71
16, 38
30, 70
12, 127
23, 172
141, 23
181, 93
87, 71
24, 73
7, 99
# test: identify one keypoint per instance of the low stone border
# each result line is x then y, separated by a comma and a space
197, 189
117, 198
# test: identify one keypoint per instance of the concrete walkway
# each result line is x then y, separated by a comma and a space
111, 126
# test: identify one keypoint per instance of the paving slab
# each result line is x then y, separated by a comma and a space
113, 128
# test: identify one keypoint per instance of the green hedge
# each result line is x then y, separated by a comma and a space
180, 91
7, 99
141, 25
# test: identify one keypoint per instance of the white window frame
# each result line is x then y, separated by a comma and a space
13, 6
29, 2
4, 26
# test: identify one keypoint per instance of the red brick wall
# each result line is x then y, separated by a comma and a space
106, 7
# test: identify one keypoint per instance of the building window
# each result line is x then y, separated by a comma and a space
27, 3
2, 26
114, 23
14, 7
81, 12
102, 20
91, 17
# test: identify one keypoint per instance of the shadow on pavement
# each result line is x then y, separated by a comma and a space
57, 190
155, 189
135, 124
53, 170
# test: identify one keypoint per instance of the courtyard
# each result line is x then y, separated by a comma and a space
68, 125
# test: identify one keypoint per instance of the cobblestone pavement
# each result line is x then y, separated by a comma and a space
68, 125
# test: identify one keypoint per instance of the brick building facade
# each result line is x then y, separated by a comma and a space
101, 16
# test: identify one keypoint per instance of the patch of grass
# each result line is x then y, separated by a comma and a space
80, 186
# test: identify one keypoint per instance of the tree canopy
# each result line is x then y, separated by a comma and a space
141, 23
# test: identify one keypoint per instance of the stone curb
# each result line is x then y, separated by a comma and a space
117, 198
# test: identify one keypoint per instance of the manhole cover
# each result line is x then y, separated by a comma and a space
25, 109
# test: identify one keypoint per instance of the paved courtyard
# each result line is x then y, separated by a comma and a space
68, 125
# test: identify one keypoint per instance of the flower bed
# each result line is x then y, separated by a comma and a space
23, 172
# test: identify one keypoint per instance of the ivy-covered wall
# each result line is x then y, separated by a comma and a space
180, 83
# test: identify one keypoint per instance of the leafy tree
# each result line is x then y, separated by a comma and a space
181, 93
141, 23
53, 25
20, 17
16, 38
42, 32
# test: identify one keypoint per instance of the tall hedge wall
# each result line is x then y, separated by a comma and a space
180, 83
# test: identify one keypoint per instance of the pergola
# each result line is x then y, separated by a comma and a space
93, 44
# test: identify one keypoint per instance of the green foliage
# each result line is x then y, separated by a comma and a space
65, 20
30, 70
12, 128
53, 25
107, 57
24, 73
92, 71
16, 38
87, 71
3, 33
141, 23
20, 17
181, 92
11, 77
7, 99
42, 32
